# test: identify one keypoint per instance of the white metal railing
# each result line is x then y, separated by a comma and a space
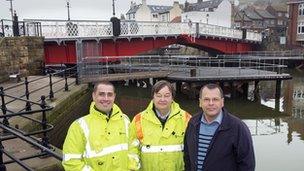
219, 31
289, 54
96, 28
111, 65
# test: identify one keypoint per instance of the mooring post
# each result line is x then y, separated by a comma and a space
45, 139
27, 95
66, 86
51, 94
3, 108
278, 94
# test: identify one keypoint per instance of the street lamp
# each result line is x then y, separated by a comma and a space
68, 7
11, 8
243, 18
113, 5
207, 17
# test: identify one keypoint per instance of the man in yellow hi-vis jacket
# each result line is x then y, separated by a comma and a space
157, 133
99, 140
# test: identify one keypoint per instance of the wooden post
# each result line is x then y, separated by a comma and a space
245, 90
256, 90
278, 95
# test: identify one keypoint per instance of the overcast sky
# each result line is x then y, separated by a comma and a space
80, 9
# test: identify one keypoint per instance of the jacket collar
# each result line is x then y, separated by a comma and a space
115, 111
226, 124
175, 109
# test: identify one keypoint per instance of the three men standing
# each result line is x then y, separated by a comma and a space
157, 138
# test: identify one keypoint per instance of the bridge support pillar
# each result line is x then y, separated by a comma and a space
178, 87
245, 90
256, 92
278, 94
132, 82
233, 89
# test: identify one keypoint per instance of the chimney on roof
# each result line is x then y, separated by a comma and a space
133, 4
144, 2
175, 3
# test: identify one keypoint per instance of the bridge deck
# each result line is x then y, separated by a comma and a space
192, 75
226, 74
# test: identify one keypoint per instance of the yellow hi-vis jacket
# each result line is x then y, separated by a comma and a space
96, 142
160, 148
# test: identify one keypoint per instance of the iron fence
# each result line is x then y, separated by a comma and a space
30, 108
10, 28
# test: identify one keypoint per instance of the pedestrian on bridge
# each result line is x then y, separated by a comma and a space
157, 133
99, 140
216, 140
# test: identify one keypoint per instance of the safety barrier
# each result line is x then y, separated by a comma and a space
30, 108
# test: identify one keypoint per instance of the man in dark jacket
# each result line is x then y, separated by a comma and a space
215, 140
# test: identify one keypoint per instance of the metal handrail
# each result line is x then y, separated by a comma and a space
101, 28
100, 66
28, 137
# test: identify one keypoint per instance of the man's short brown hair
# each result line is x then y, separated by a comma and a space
103, 83
211, 86
161, 84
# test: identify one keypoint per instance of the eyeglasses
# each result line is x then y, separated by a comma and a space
106, 94
214, 100
161, 95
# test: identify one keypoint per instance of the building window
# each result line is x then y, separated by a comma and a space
301, 9
163, 18
280, 22
301, 28
155, 16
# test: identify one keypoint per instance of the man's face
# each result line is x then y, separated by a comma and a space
211, 102
163, 99
104, 97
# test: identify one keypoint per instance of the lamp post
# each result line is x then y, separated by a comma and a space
11, 8
243, 18
68, 7
113, 5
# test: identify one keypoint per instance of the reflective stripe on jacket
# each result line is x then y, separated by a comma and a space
159, 148
95, 142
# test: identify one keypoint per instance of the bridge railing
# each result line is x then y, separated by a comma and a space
206, 29
73, 28
95, 67
23, 28
289, 54
97, 28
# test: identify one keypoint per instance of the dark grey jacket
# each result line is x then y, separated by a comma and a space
231, 148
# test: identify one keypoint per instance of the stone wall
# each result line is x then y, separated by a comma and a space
24, 55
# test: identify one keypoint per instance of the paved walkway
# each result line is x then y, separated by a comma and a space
17, 147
